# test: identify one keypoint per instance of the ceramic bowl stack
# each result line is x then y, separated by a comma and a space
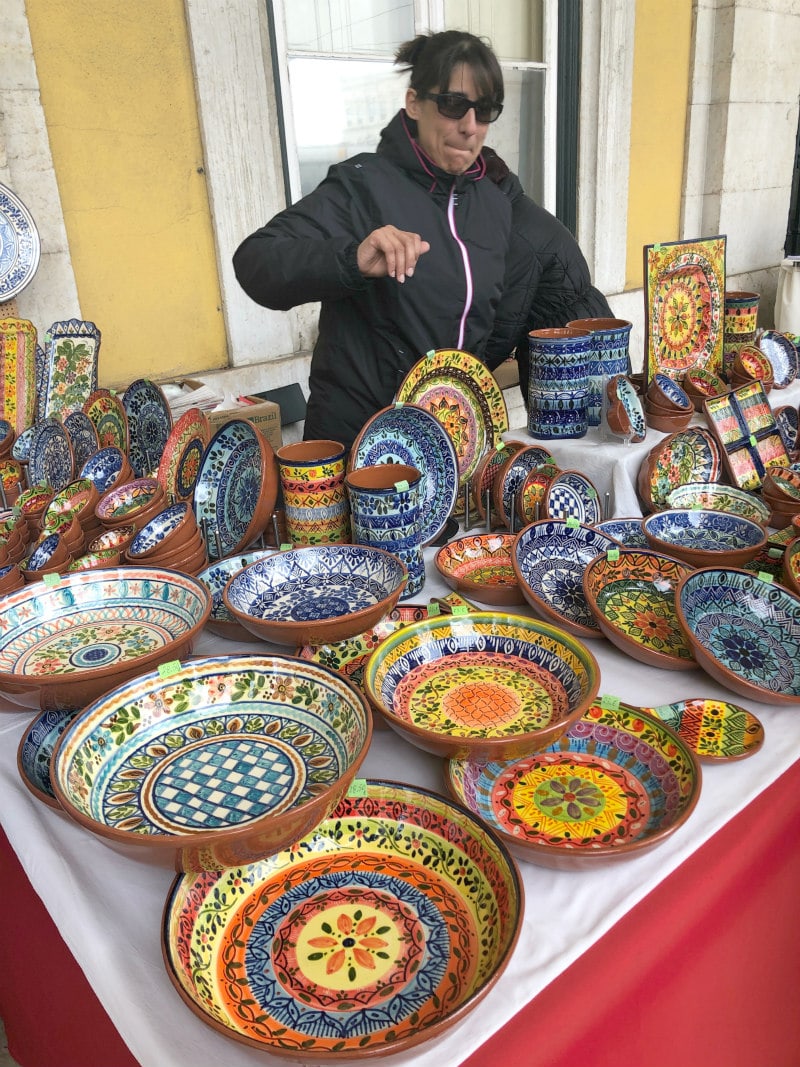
700, 384
32, 503
750, 364
50, 555
131, 503
780, 491
171, 539
7, 436
107, 468
14, 538
77, 499
668, 407
703, 538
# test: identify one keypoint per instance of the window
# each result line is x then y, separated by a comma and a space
339, 86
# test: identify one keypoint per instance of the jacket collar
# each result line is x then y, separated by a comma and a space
398, 143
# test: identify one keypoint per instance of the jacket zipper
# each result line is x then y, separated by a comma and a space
451, 219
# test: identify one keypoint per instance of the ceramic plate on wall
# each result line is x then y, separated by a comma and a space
19, 245
464, 396
411, 435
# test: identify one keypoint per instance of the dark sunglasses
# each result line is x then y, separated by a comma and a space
456, 105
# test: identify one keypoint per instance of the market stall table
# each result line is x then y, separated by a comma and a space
603, 960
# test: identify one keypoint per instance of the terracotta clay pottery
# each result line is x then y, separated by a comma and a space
108, 557
314, 494
134, 502
170, 530
10, 578
667, 396
624, 413
117, 537
701, 384
50, 551
33, 504
107, 468
479, 566
702, 538
667, 423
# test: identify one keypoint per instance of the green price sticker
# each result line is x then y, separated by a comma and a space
613, 554
572, 522
460, 609
765, 577
285, 547
609, 703
51, 579
166, 670
358, 788
401, 487
433, 610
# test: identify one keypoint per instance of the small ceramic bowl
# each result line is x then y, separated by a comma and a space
625, 415
667, 423
10, 578
107, 468
701, 537
107, 557
744, 632
315, 594
118, 537
479, 566
718, 497
664, 393
488, 684
7, 437
51, 551
750, 364
701, 384
134, 502
170, 530
627, 531
224, 761
78, 498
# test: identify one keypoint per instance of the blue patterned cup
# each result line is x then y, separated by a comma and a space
610, 356
559, 360
385, 513
562, 413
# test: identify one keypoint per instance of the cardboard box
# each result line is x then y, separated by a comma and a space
264, 414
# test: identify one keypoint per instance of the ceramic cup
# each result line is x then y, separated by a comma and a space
385, 513
739, 326
314, 495
558, 413
610, 356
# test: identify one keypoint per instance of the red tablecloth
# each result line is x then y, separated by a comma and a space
705, 972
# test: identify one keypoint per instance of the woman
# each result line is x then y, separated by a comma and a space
405, 247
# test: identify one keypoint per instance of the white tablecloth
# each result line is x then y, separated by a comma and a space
108, 903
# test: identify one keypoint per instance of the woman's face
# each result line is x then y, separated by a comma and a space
452, 144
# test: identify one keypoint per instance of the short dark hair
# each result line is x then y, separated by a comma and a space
430, 59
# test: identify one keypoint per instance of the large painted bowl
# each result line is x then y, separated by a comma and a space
631, 593
718, 497
315, 594
701, 537
73, 637
744, 630
375, 933
616, 783
215, 577
491, 685
221, 762
549, 558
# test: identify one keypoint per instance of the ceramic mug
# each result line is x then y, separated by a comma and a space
314, 496
610, 356
739, 326
385, 513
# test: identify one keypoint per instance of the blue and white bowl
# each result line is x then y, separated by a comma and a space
702, 537
215, 577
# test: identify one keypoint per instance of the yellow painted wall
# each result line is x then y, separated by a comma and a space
661, 71
118, 97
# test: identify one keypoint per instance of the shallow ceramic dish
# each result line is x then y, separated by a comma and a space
236, 488
616, 783
223, 761
183, 454
666, 393
781, 355
412, 436
625, 415
511, 477
169, 529
690, 455
713, 729
133, 502
463, 394
699, 384
627, 531
744, 632
549, 558
479, 566
631, 594
149, 425
530, 498
490, 684
718, 497
375, 933
36, 749
50, 460
107, 468
701, 537
215, 577
74, 639
786, 418
481, 483
21, 448
314, 594
571, 495
105, 410
83, 436
109, 557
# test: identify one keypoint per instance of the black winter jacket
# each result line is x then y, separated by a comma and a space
372, 330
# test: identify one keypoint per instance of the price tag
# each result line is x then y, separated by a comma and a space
753, 440
572, 522
166, 670
430, 354
433, 610
609, 703
401, 487
460, 609
358, 788
51, 579
765, 577
775, 553
613, 554
285, 547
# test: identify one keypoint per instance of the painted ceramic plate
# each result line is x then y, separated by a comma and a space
149, 425
83, 436
35, 749
464, 396
183, 454
19, 245
509, 481
617, 782
72, 350
684, 297
691, 455
549, 558
17, 371
629, 532
571, 495
745, 632
50, 460
481, 484
530, 498
372, 934
411, 435
782, 356
713, 729
625, 394
490, 684
786, 418
717, 497
631, 593
105, 410
236, 488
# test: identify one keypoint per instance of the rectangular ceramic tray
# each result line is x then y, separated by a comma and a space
744, 425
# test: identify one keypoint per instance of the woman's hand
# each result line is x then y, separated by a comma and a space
392, 252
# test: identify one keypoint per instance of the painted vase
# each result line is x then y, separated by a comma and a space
315, 503
739, 326
610, 356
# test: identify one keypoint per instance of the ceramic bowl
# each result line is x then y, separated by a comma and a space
690, 455
10, 578
132, 503
790, 567
549, 558
107, 557
187, 560
51, 551
624, 413
701, 537
78, 498
107, 468
315, 594
215, 576
379, 930
750, 364
669, 395
631, 594
667, 423
479, 566
118, 537
167, 531
781, 484
717, 497
627, 531
36, 749
7, 437
744, 632
489, 684
74, 639
699, 385
223, 761
616, 783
